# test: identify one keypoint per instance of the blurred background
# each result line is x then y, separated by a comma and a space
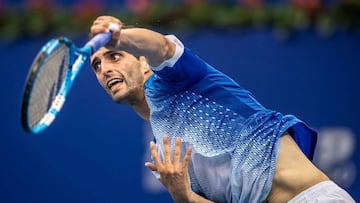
299, 57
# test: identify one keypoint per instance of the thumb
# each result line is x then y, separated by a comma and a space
151, 166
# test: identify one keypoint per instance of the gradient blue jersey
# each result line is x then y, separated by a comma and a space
234, 138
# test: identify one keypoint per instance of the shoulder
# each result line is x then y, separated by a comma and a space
179, 50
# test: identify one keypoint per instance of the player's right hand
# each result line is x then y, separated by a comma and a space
102, 24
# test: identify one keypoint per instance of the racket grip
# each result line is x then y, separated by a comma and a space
99, 41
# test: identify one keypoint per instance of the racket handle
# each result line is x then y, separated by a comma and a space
99, 41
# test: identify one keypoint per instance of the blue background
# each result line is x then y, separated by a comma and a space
95, 150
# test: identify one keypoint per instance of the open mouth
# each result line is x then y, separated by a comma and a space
113, 82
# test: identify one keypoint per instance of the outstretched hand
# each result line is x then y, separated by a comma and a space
173, 171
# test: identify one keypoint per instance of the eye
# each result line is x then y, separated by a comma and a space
114, 56
96, 65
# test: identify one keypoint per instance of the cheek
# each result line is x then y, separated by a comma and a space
100, 80
133, 70
135, 78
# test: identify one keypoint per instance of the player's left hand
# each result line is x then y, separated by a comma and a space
173, 172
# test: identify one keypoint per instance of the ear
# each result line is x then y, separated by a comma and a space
144, 64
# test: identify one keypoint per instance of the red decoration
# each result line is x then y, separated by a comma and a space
309, 5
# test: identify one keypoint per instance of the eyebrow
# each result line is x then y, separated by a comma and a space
109, 53
97, 59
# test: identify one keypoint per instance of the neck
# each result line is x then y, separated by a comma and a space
142, 109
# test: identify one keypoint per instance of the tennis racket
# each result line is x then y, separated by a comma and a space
51, 76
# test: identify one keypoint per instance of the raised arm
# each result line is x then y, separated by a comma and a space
137, 41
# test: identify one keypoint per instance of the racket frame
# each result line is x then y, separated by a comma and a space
77, 58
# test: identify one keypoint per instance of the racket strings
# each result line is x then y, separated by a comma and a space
52, 72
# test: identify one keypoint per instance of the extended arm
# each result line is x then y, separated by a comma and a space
137, 41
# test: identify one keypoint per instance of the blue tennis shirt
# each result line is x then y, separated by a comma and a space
234, 138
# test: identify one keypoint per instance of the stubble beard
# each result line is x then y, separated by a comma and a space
131, 97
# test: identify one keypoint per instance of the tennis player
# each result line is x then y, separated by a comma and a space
213, 141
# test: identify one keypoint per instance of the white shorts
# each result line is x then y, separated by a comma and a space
326, 191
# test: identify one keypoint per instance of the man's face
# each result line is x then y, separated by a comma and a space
120, 74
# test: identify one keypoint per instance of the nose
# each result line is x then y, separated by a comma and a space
105, 68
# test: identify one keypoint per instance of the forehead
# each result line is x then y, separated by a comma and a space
100, 52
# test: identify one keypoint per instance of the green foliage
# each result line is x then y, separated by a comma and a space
284, 18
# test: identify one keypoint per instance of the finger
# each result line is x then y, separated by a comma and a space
115, 29
154, 154
151, 166
177, 150
103, 24
167, 153
187, 157
108, 18
98, 28
116, 34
